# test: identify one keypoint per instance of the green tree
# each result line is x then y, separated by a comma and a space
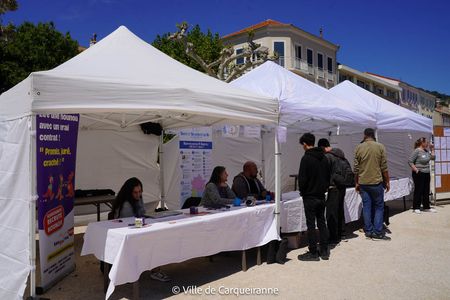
7, 5
31, 48
207, 46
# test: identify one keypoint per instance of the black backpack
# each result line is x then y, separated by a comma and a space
342, 174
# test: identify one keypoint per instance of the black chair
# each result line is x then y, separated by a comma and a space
191, 201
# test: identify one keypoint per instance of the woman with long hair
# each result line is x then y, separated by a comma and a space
419, 161
217, 192
129, 203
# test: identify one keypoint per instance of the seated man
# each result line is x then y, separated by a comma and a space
246, 183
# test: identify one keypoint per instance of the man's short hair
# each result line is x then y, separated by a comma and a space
324, 143
369, 132
308, 139
247, 165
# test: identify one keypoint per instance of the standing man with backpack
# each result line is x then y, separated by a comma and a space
341, 177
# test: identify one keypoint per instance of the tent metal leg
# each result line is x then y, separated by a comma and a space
258, 256
244, 260
404, 203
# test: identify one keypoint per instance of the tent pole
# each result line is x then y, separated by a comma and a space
277, 182
32, 208
263, 161
161, 170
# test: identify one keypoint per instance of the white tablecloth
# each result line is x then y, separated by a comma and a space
132, 251
293, 215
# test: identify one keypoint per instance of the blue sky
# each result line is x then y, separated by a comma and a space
408, 40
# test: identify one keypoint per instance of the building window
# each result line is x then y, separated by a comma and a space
278, 47
379, 90
363, 85
330, 65
241, 60
309, 56
298, 52
344, 78
391, 94
320, 61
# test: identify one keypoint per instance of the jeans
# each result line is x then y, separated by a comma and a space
421, 190
373, 207
315, 210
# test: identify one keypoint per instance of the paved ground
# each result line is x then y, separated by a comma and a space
414, 265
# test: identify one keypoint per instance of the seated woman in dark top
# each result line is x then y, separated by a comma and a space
128, 203
217, 192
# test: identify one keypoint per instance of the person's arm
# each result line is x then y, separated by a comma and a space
432, 156
412, 160
230, 196
261, 188
141, 208
384, 170
356, 170
387, 182
212, 197
240, 187
302, 176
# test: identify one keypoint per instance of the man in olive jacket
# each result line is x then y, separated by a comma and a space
372, 177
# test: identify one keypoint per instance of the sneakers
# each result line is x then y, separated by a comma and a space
380, 237
160, 276
432, 210
309, 256
417, 211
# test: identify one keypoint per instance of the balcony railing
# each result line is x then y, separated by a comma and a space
280, 61
303, 66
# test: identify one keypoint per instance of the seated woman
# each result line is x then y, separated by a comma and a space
128, 203
217, 192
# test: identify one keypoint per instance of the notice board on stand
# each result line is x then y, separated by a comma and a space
442, 162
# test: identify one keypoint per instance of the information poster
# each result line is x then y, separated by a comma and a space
56, 144
196, 161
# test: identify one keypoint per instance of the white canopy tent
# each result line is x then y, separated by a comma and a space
389, 116
304, 105
397, 127
116, 84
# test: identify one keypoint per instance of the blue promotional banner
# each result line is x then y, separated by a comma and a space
195, 151
56, 144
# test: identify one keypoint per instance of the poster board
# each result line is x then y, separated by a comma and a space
195, 147
442, 162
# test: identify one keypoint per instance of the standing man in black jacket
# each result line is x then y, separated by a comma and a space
313, 182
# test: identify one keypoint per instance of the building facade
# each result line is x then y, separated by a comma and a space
411, 97
441, 116
373, 84
303, 53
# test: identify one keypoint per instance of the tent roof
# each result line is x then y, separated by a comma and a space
124, 80
389, 116
305, 105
